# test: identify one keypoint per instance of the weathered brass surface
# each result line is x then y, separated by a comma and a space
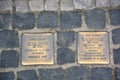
93, 48
37, 49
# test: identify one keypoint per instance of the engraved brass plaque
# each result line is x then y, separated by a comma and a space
37, 49
93, 48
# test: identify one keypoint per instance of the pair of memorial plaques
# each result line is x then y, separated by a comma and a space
92, 48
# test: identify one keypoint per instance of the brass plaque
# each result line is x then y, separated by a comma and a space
37, 49
93, 48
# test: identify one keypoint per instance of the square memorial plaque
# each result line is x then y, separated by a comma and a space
37, 49
93, 48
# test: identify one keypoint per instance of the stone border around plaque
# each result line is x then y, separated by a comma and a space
37, 48
93, 47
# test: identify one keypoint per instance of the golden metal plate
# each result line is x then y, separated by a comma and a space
93, 48
37, 49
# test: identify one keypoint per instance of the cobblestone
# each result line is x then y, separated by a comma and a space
7, 76
95, 19
116, 55
23, 21
115, 36
27, 75
67, 5
9, 39
65, 55
9, 59
101, 3
102, 73
36, 5
47, 19
115, 3
117, 73
5, 21
21, 6
51, 5
52, 74
70, 19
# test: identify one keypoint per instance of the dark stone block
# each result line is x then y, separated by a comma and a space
102, 73
116, 54
7, 76
116, 36
27, 75
95, 19
23, 21
5, 20
9, 59
9, 39
70, 19
77, 73
65, 39
115, 17
117, 74
65, 55
48, 19
52, 74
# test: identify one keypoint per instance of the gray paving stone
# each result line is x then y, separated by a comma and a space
116, 36
115, 3
7, 76
21, 5
115, 17
9, 39
84, 4
23, 21
36, 5
77, 73
27, 75
102, 3
116, 55
70, 19
102, 73
6, 5
9, 59
65, 55
52, 74
51, 5
5, 19
47, 19
95, 19
67, 5
117, 73
65, 39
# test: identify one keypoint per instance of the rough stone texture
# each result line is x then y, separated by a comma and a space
27, 75
23, 21
9, 39
70, 19
116, 36
101, 3
116, 55
115, 2
65, 55
36, 5
7, 76
115, 17
84, 4
117, 74
95, 19
21, 5
65, 39
102, 73
5, 20
6, 5
67, 5
77, 73
51, 5
9, 59
52, 74
47, 19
